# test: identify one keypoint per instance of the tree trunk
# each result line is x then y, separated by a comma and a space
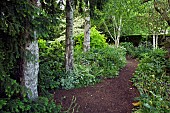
119, 31
30, 62
156, 43
87, 31
153, 40
31, 67
69, 36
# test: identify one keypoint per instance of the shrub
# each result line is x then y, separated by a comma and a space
130, 49
42, 105
144, 47
103, 62
93, 65
97, 40
80, 77
51, 64
153, 83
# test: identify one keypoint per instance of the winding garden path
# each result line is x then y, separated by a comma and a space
110, 96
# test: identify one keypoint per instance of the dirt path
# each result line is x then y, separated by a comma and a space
110, 96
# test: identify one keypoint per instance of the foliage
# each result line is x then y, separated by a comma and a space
80, 77
130, 49
97, 40
94, 65
104, 62
51, 64
144, 47
137, 52
11, 99
42, 105
153, 83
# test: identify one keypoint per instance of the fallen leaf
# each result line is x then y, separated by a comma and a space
136, 103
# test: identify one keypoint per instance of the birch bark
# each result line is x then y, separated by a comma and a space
153, 40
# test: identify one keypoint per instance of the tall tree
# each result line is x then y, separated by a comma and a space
115, 18
30, 60
87, 25
69, 36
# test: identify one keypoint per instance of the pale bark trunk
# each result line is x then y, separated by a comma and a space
156, 43
69, 36
31, 68
119, 31
153, 40
30, 63
87, 31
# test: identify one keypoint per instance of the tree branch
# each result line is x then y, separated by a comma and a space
162, 12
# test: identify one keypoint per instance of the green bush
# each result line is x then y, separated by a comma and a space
130, 49
137, 52
51, 64
104, 62
42, 105
97, 40
93, 65
153, 83
144, 47
80, 77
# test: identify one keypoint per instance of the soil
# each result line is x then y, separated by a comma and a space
114, 95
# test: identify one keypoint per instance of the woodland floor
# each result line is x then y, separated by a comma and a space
109, 96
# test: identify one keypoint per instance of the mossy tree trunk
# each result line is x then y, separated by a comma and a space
30, 61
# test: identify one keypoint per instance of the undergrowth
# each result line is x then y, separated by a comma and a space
153, 83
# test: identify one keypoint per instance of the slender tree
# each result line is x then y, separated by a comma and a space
115, 18
69, 36
87, 28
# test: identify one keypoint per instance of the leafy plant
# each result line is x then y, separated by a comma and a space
104, 61
97, 40
41, 105
152, 82
90, 67
51, 64
130, 49
80, 77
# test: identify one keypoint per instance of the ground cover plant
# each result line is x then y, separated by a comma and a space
153, 83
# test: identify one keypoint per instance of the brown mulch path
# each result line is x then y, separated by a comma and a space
110, 96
